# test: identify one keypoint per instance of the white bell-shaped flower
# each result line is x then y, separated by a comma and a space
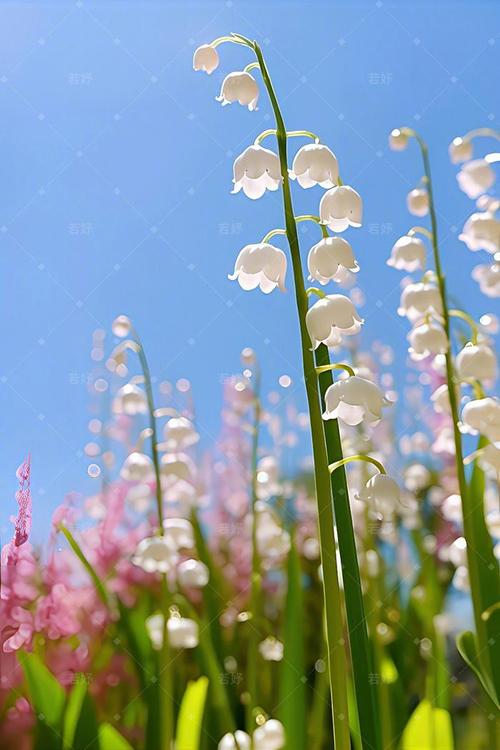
240, 740
256, 170
488, 278
156, 554
182, 632
273, 542
177, 466
419, 299
417, 477
130, 400
417, 202
139, 497
329, 258
121, 326
382, 492
239, 87
340, 208
460, 149
137, 467
206, 58
330, 318
193, 574
179, 531
440, 399
179, 432
269, 736
427, 339
261, 265
477, 361
482, 232
154, 626
489, 459
271, 649
475, 178
315, 164
398, 140
482, 415
354, 400
408, 254
451, 509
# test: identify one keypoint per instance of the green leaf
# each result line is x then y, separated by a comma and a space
110, 739
101, 590
292, 687
191, 715
80, 723
46, 694
428, 729
466, 645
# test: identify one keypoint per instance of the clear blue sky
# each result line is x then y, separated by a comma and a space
116, 178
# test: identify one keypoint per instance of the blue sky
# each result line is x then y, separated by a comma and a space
116, 179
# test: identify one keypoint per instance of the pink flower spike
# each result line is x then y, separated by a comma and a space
23, 497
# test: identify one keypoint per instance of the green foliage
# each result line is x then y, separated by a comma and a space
191, 715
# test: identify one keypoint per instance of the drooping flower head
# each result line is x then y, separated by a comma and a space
475, 178
261, 265
206, 58
482, 232
417, 202
256, 170
329, 258
408, 254
330, 318
354, 400
239, 87
427, 339
315, 164
340, 208
460, 149
477, 361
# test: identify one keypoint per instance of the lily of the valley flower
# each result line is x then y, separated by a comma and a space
240, 740
137, 467
256, 170
482, 416
475, 178
398, 140
460, 149
269, 736
441, 399
417, 202
182, 632
130, 400
177, 466
179, 432
315, 164
329, 258
488, 278
340, 208
382, 492
427, 339
156, 554
273, 542
271, 649
482, 232
180, 532
354, 400
261, 265
489, 460
476, 361
408, 254
330, 318
206, 58
419, 299
193, 574
239, 87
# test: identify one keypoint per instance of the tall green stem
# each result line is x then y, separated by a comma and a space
333, 601
482, 564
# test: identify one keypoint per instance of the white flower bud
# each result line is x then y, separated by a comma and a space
154, 626
460, 149
256, 170
271, 649
482, 416
427, 339
179, 432
130, 400
330, 318
408, 254
137, 467
238, 741
354, 400
398, 140
239, 87
193, 574
417, 202
315, 164
269, 736
182, 632
475, 178
206, 58
121, 326
155, 554
261, 265
419, 299
382, 492
179, 531
488, 278
477, 361
340, 208
482, 232
329, 258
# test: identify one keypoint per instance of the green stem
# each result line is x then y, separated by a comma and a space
272, 233
289, 133
336, 366
337, 662
358, 457
100, 588
472, 324
313, 290
482, 564
420, 230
